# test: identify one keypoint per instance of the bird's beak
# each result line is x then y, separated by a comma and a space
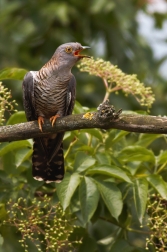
86, 47
80, 55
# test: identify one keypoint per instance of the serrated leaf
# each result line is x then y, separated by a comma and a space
112, 197
66, 188
158, 184
89, 197
17, 117
140, 196
6, 147
12, 73
136, 153
112, 170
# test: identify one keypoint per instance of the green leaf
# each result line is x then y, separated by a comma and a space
119, 136
78, 109
112, 170
66, 188
162, 158
86, 148
83, 161
6, 147
146, 139
121, 246
103, 158
112, 197
1, 240
114, 137
17, 117
12, 73
94, 132
136, 153
89, 197
140, 196
21, 155
158, 184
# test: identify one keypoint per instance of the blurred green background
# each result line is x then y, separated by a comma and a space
125, 33
30, 31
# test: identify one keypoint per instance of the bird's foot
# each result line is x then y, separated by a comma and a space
40, 122
53, 119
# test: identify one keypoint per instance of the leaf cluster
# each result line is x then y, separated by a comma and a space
108, 177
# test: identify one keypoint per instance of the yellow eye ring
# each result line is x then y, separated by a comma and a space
68, 49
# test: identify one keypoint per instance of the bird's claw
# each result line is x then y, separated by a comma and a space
53, 119
40, 122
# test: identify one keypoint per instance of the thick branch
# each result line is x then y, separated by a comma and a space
127, 122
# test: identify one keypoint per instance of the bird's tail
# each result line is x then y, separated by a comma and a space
48, 159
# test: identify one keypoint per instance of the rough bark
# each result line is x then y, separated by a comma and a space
127, 122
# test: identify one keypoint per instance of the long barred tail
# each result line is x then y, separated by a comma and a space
48, 159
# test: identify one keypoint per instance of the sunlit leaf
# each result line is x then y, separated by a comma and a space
22, 155
158, 184
6, 147
162, 158
17, 117
86, 148
12, 73
112, 170
94, 132
146, 139
136, 153
78, 109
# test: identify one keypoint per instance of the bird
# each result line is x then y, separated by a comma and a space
48, 94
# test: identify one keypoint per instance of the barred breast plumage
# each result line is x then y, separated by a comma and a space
50, 93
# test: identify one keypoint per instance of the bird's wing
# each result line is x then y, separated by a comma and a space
29, 103
71, 93
28, 97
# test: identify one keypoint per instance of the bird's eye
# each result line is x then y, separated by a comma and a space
68, 49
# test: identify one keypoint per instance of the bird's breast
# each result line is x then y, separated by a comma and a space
50, 98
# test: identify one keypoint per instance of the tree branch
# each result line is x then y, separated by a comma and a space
127, 122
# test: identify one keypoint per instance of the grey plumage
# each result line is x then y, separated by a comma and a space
50, 93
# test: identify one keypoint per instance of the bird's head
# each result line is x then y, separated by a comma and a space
69, 53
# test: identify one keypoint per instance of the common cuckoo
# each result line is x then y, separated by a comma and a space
50, 93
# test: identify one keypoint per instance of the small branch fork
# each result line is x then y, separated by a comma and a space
105, 118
